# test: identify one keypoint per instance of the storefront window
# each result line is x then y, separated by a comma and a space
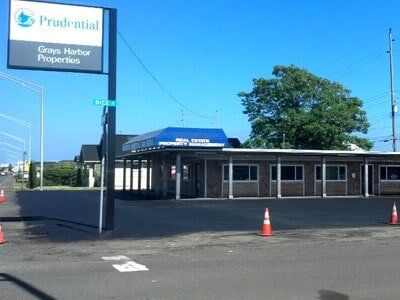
333, 173
242, 173
390, 172
288, 173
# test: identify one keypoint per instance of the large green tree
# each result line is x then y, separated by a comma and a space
312, 112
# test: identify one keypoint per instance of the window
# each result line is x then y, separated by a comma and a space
242, 173
390, 172
288, 173
333, 173
160, 171
185, 172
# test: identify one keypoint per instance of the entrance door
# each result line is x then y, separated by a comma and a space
370, 179
196, 180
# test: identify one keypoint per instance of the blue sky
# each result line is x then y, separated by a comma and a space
205, 52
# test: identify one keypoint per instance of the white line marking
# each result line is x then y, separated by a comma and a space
118, 257
130, 266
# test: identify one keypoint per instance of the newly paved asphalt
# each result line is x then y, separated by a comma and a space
322, 249
73, 216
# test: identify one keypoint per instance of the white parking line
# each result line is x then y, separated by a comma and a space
128, 266
118, 257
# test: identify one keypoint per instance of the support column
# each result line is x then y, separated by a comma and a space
205, 178
140, 176
165, 183
278, 177
178, 177
147, 175
366, 192
323, 177
230, 179
131, 177
124, 177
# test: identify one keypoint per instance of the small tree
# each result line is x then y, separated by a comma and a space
79, 179
32, 181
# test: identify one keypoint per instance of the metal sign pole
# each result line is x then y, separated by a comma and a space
111, 117
101, 196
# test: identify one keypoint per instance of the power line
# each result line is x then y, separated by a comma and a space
358, 67
355, 62
158, 82
351, 51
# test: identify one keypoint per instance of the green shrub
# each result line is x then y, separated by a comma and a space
63, 173
32, 180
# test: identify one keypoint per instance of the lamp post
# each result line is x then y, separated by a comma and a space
25, 124
38, 89
21, 140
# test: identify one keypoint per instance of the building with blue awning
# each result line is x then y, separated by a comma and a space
204, 162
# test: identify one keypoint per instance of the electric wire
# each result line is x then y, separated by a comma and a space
130, 48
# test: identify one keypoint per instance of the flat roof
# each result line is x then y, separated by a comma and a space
251, 151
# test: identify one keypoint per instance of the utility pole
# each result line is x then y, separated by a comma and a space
216, 119
393, 101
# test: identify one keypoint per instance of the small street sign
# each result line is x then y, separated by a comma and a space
104, 102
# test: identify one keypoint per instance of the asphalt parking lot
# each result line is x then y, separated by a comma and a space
73, 215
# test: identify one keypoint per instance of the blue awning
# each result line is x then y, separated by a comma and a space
178, 137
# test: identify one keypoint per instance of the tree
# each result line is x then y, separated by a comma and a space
32, 180
312, 112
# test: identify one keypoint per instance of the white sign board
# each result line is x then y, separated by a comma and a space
49, 36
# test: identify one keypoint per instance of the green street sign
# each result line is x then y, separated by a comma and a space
104, 102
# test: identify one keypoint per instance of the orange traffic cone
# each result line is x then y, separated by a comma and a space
393, 217
266, 227
2, 198
2, 240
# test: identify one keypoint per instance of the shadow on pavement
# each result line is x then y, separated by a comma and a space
331, 295
33, 291
65, 216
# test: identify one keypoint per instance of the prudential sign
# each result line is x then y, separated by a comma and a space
50, 36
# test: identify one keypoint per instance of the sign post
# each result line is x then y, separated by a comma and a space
111, 116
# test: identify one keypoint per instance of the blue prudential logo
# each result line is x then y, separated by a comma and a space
24, 17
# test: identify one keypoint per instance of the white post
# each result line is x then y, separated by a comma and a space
278, 178
178, 177
148, 175
101, 196
165, 183
139, 175
230, 179
205, 178
366, 192
323, 177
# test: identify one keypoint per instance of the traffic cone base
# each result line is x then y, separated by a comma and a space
2, 240
393, 218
